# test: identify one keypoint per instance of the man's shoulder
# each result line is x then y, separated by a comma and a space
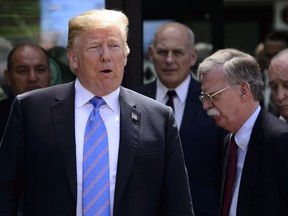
145, 87
136, 95
132, 95
58, 89
271, 124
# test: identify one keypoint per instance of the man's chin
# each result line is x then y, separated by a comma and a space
32, 88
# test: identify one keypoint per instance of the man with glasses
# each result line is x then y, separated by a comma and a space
173, 53
206, 96
232, 87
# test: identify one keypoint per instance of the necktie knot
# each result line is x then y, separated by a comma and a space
171, 93
97, 102
233, 146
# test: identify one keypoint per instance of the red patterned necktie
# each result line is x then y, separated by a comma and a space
230, 174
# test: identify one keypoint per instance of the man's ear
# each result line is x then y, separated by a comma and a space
150, 52
73, 60
125, 59
244, 89
7, 77
194, 55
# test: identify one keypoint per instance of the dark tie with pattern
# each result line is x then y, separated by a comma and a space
171, 94
230, 174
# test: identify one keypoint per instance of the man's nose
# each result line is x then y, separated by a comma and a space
207, 105
281, 93
32, 75
105, 54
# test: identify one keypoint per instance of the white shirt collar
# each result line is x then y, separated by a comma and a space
243, 135
82, 96
181, 90
282, 118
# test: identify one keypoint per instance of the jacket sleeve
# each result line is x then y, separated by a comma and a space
178, 195
11, 163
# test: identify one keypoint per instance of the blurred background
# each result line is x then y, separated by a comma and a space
240, 24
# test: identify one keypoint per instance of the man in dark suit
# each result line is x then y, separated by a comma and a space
41, 154
172, 53
232, 89
27, 69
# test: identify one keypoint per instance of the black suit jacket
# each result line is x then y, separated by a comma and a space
202, 144
38, 157
5, 107
264, 188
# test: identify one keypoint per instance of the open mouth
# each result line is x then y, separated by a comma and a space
106, 71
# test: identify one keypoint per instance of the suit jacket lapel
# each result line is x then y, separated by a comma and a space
130, 120
190, 108
252, 165
63, 116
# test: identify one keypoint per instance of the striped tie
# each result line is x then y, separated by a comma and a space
96, 188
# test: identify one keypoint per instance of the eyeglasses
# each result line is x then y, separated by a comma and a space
206, 97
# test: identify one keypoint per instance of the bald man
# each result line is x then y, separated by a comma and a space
278, 82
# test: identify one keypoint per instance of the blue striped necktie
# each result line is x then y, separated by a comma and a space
96, 185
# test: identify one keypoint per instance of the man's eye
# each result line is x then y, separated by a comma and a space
114, 46
177, 53
95, 46
162, 52
22, 72
273, 86
41, 70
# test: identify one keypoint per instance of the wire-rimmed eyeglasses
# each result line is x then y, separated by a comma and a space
206, 97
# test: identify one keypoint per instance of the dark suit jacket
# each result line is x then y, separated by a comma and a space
202, 144
37, 157
5, 107
264, 188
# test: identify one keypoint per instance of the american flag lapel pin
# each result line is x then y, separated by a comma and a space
135, 117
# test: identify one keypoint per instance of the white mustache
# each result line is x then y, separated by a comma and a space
213, 112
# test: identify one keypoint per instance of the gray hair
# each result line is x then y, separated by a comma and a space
238, 67
191, 36
282, 55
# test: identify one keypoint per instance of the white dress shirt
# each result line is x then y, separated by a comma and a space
110, 114
242, 138
283, 119
179, 100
